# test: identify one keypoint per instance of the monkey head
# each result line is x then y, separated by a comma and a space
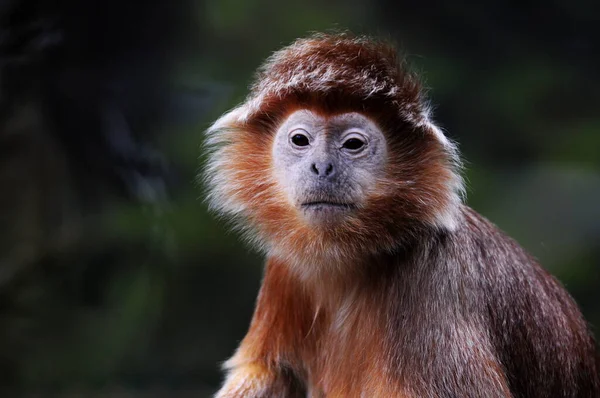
333, 146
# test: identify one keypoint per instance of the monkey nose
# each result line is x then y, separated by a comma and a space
322, 169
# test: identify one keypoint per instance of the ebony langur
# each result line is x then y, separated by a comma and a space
379, 281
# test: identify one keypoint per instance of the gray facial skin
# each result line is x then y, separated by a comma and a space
327, 166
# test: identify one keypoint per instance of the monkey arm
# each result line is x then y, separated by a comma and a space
255, 380
266, 364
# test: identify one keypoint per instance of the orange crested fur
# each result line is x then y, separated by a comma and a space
389, 286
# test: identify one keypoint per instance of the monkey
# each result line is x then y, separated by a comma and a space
379, 280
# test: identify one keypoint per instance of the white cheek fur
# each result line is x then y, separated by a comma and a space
223, 184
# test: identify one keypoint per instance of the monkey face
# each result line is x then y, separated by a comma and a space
328, 165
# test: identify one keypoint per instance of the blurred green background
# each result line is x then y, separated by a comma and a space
138, 300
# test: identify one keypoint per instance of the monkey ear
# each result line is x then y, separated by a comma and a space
235, 118
228, 121
431, 128
446, 216
222, 183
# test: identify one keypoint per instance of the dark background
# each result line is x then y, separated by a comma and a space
114, 279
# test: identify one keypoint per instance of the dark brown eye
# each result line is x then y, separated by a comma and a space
300, 140
353, 144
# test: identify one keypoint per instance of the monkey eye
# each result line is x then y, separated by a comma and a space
353, 144
300, 140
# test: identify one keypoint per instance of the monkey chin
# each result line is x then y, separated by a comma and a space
323, 213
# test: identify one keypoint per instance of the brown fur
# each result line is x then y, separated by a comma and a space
413, 296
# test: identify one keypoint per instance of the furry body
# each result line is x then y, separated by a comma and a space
412, 294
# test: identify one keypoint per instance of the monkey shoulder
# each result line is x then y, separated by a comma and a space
500, 266
531, 320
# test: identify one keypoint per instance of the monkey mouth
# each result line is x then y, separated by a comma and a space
325, 205
325, 213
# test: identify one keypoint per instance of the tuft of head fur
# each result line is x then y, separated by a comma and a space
332, 74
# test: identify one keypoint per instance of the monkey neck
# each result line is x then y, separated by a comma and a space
341, 253
331, 281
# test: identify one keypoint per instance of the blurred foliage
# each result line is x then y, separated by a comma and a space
155, 296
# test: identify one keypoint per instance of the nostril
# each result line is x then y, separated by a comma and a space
314, 169
329, 169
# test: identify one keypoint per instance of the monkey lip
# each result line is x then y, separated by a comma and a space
317, 205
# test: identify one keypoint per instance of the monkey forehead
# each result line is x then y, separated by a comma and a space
352, 119
302, 117
316, 119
